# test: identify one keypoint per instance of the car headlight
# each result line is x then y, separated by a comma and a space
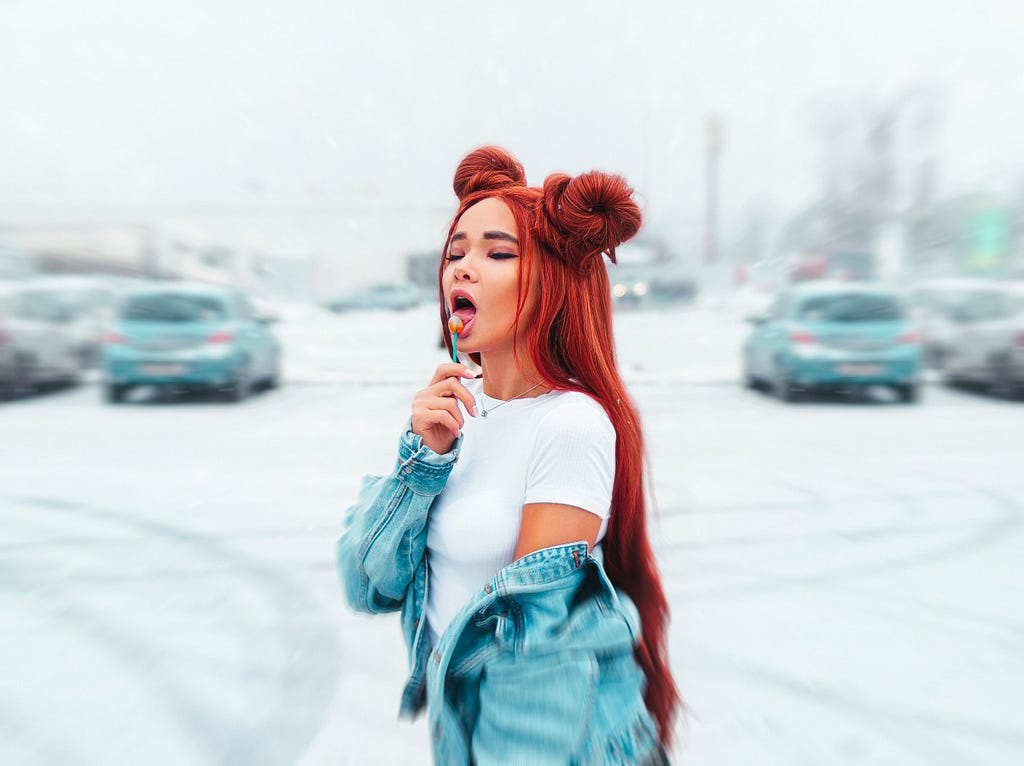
640, 289
619, 290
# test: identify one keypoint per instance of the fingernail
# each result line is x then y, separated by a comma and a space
472, 411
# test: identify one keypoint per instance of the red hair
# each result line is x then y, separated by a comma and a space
564, 229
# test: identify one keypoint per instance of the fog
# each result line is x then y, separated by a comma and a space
372, 105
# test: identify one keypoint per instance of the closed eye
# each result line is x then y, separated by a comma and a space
503, 256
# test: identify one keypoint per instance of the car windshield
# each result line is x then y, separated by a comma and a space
950, 302
174, 307
850, 307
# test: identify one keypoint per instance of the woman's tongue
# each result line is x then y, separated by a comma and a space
466, 315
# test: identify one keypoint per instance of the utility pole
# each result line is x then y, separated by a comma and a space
713, 150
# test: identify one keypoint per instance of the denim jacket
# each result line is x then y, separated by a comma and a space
537, 668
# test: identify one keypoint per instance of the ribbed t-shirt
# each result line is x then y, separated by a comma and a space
555, 448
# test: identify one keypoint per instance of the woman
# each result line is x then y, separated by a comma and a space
512, 531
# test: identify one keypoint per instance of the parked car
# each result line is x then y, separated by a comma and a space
824, 334
986, 345
386, 295
935, 306
36, 347
637, 285
88, 305
190, 336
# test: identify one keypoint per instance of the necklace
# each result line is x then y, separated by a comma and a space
484, 410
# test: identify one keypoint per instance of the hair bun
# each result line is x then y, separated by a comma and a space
488, 168
587, 215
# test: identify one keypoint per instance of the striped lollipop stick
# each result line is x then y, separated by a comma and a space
455, 325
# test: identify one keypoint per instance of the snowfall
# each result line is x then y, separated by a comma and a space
846, 577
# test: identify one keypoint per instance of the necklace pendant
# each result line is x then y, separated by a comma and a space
483, 412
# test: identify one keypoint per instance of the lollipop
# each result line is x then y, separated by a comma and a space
455, 325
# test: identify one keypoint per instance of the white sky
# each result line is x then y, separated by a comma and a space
224, 100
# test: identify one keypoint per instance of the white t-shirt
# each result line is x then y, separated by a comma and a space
555, 448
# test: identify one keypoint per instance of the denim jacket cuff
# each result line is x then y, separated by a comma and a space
420, 468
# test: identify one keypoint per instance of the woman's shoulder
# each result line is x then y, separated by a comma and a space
577, 411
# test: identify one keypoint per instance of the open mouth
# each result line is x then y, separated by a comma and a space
464, 309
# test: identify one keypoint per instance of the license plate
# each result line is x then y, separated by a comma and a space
860, 369
162, 369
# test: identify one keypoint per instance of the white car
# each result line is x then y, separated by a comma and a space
36, 346
386, 295
937, 306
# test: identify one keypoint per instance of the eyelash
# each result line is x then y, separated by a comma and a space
496, 256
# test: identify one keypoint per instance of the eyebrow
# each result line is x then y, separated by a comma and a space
501, 235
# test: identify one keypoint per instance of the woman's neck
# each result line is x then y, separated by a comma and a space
507, 377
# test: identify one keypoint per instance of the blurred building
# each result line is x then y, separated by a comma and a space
421, 270
85, 248
302, 252
879, 214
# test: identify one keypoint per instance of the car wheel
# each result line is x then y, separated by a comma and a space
910, 393
783, 388
1003, 384
749, 381
113, 393
20, 383
240, 388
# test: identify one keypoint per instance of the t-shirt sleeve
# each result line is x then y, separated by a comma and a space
573, 461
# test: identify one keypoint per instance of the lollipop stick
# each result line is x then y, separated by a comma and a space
455, 326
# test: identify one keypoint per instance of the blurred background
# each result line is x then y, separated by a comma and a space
219, 232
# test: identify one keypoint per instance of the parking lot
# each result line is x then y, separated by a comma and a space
842, 573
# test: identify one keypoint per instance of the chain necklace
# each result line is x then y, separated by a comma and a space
484, 410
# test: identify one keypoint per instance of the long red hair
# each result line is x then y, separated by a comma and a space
564, 229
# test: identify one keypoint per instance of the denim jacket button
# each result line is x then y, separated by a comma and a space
408, 469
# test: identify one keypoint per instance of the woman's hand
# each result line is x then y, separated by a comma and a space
436, 416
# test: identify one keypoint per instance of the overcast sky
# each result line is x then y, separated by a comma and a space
235, 100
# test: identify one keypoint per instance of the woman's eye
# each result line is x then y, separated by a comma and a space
503, 256
454, 256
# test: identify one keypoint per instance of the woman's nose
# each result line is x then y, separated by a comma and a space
463, 270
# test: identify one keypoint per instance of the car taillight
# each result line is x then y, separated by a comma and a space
803, 337
221, 337
909, 337
113, 337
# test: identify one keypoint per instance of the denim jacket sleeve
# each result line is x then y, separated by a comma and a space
386, 530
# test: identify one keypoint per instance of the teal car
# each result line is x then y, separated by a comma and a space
187, 336
834, 335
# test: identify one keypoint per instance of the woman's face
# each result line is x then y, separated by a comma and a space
481, 277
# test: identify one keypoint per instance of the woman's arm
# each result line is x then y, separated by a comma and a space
546, 524
386, 530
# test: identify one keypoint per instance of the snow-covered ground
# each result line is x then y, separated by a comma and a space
846, 578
